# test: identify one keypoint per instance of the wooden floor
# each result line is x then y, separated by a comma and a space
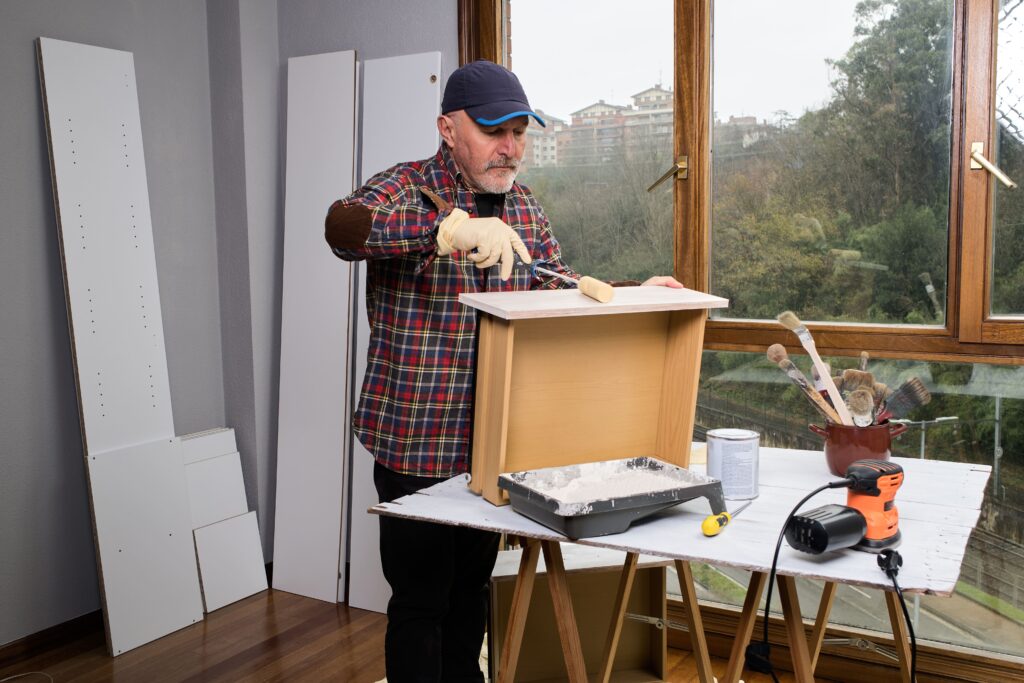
271, 636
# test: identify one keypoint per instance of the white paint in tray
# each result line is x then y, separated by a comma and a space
576, 487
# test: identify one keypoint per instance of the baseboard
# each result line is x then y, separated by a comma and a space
64, 632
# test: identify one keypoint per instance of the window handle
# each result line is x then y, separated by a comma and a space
680, 170
978, 160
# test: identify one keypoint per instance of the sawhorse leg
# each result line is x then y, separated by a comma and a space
560, 599
517, 614
805, 658
618, 614
564, 617
828, 595
745, 627
695, 623
900, 635
802, 668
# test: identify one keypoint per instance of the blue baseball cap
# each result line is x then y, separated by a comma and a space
488, 92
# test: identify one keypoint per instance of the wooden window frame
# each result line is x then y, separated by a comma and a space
968, 335
976, 323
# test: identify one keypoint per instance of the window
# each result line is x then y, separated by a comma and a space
830, 159
915, 255
829, 172
593, 95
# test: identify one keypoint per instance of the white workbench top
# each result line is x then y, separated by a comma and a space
939, 504
558, 303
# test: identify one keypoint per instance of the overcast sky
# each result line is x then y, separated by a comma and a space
769, 55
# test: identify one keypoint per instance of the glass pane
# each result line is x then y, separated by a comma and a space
605, 88
1008, 223
976, 415
831, 156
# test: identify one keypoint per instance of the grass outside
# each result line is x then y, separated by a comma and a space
718, 583
998, 606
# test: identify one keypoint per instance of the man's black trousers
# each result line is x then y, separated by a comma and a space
439, 579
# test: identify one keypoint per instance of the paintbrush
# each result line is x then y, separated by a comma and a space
881, 393
777, 354
789, 320
910, 395
819, 384
862, 406
863, 367
855, 379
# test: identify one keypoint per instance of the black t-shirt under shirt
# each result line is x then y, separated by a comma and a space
488, 205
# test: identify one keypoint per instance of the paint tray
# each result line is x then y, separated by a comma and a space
602, 498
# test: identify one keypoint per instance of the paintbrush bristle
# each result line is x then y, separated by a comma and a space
862, 404
881, 392
910, 395
776, 353
855, 379
789, 320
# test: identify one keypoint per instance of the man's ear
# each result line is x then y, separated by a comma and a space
446, 127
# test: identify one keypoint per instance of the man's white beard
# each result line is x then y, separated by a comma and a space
503, 185
497, 186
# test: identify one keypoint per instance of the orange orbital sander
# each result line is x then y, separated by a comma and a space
869, 521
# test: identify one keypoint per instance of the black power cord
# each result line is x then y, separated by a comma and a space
758, 655
890, 562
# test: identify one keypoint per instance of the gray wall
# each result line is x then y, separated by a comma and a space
211, 82
47, 564
383, 28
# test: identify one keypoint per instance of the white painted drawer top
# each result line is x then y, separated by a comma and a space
557, 303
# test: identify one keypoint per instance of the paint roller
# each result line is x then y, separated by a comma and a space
592, 287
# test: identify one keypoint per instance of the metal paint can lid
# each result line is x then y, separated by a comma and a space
730, 434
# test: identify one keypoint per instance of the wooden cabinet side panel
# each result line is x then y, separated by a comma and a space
679, 386
490, 425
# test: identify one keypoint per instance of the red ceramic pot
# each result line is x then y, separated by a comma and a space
845, 445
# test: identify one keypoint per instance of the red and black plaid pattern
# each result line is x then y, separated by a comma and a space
415, 412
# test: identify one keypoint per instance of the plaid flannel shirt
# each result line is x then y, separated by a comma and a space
415, 412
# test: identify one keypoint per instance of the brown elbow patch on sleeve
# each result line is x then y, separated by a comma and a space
348, 226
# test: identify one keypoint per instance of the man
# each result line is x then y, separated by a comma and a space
429, 230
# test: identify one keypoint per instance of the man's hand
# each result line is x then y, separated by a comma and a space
663, 281
491, 238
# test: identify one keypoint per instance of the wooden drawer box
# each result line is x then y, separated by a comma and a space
562, 379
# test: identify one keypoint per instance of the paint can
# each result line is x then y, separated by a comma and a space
733, 460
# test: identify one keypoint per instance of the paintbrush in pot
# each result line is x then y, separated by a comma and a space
777, 354
819, 383
854, 380
789, 320
881, 392
862, 406
910, 395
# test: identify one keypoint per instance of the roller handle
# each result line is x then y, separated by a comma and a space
596, 290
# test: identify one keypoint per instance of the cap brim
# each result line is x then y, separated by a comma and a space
486, 115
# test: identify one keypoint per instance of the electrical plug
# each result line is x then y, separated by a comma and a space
890, 562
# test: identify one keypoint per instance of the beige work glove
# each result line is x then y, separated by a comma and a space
493, 240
